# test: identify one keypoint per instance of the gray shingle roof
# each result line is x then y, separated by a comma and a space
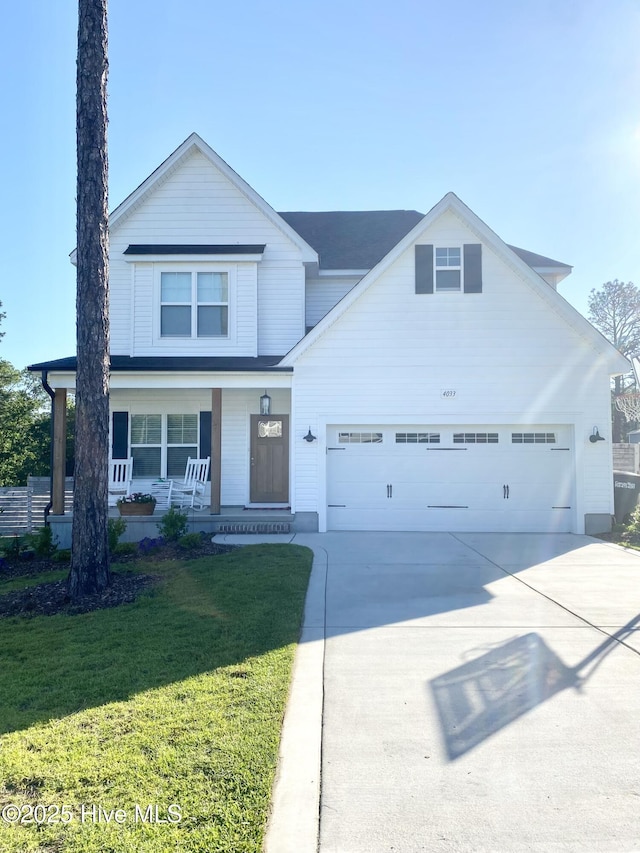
352, 240
359, 239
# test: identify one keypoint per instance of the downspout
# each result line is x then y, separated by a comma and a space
51, 393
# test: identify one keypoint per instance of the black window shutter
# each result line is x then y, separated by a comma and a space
424, 269
205, 437
473, 268
119, 435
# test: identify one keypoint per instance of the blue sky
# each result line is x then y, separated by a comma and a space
529, 111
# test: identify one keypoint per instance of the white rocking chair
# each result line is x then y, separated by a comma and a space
120, 474
190, 492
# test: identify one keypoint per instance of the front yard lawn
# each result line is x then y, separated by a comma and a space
172, 702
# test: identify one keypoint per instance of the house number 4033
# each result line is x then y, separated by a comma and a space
448, 394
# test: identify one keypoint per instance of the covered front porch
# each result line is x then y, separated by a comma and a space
240, 418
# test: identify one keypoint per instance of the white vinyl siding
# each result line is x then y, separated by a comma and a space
280, 307
197, 204
509, 357
322, 294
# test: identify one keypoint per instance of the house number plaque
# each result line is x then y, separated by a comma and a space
448, 394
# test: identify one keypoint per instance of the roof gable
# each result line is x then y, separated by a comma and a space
189, 146
451, 203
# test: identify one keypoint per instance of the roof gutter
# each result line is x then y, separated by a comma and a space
51, 393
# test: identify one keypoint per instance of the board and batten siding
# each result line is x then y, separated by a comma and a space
506, 352
197, 204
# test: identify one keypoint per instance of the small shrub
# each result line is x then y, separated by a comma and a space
632, 525
15, 547
173, 524
63, 556
125, 548
42, 542
150, 546
115, 529
190, 541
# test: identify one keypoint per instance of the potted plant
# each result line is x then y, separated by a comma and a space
137, 503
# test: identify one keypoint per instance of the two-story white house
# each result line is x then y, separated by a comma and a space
375, 370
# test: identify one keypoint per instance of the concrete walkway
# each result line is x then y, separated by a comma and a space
473, 692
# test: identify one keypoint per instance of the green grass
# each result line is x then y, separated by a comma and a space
175, 699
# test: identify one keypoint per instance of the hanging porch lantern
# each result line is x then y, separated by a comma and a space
265, 404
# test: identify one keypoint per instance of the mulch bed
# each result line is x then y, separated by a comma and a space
630, 540
50, 598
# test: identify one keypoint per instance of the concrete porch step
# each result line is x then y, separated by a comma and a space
251, 527
252, 521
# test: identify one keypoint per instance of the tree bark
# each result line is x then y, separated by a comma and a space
90, 549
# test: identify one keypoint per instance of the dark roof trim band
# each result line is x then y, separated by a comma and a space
193, 249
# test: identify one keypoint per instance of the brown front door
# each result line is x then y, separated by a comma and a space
269, 459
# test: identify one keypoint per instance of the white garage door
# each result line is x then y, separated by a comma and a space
494, 478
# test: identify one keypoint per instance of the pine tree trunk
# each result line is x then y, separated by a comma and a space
90, 549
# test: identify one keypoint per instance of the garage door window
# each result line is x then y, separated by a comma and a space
417, 438
360, 437
533, 438
475, 438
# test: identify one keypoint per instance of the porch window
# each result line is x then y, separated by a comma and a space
194, 304
146, 445
161, 444
182, 442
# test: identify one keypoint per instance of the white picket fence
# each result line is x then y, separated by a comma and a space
22, 507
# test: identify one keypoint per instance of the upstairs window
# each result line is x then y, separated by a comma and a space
448, 269
194, 304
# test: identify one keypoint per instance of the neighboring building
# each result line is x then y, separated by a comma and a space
423, 374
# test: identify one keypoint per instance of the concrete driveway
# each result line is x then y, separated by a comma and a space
464, 692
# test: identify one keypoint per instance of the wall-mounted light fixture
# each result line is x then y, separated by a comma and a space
265, 404
595, 436
309, 436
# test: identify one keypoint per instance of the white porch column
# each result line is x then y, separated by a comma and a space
216, 449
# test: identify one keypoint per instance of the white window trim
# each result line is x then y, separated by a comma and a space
437, 268
193, 341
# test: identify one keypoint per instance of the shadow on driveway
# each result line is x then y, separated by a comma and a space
477, 699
